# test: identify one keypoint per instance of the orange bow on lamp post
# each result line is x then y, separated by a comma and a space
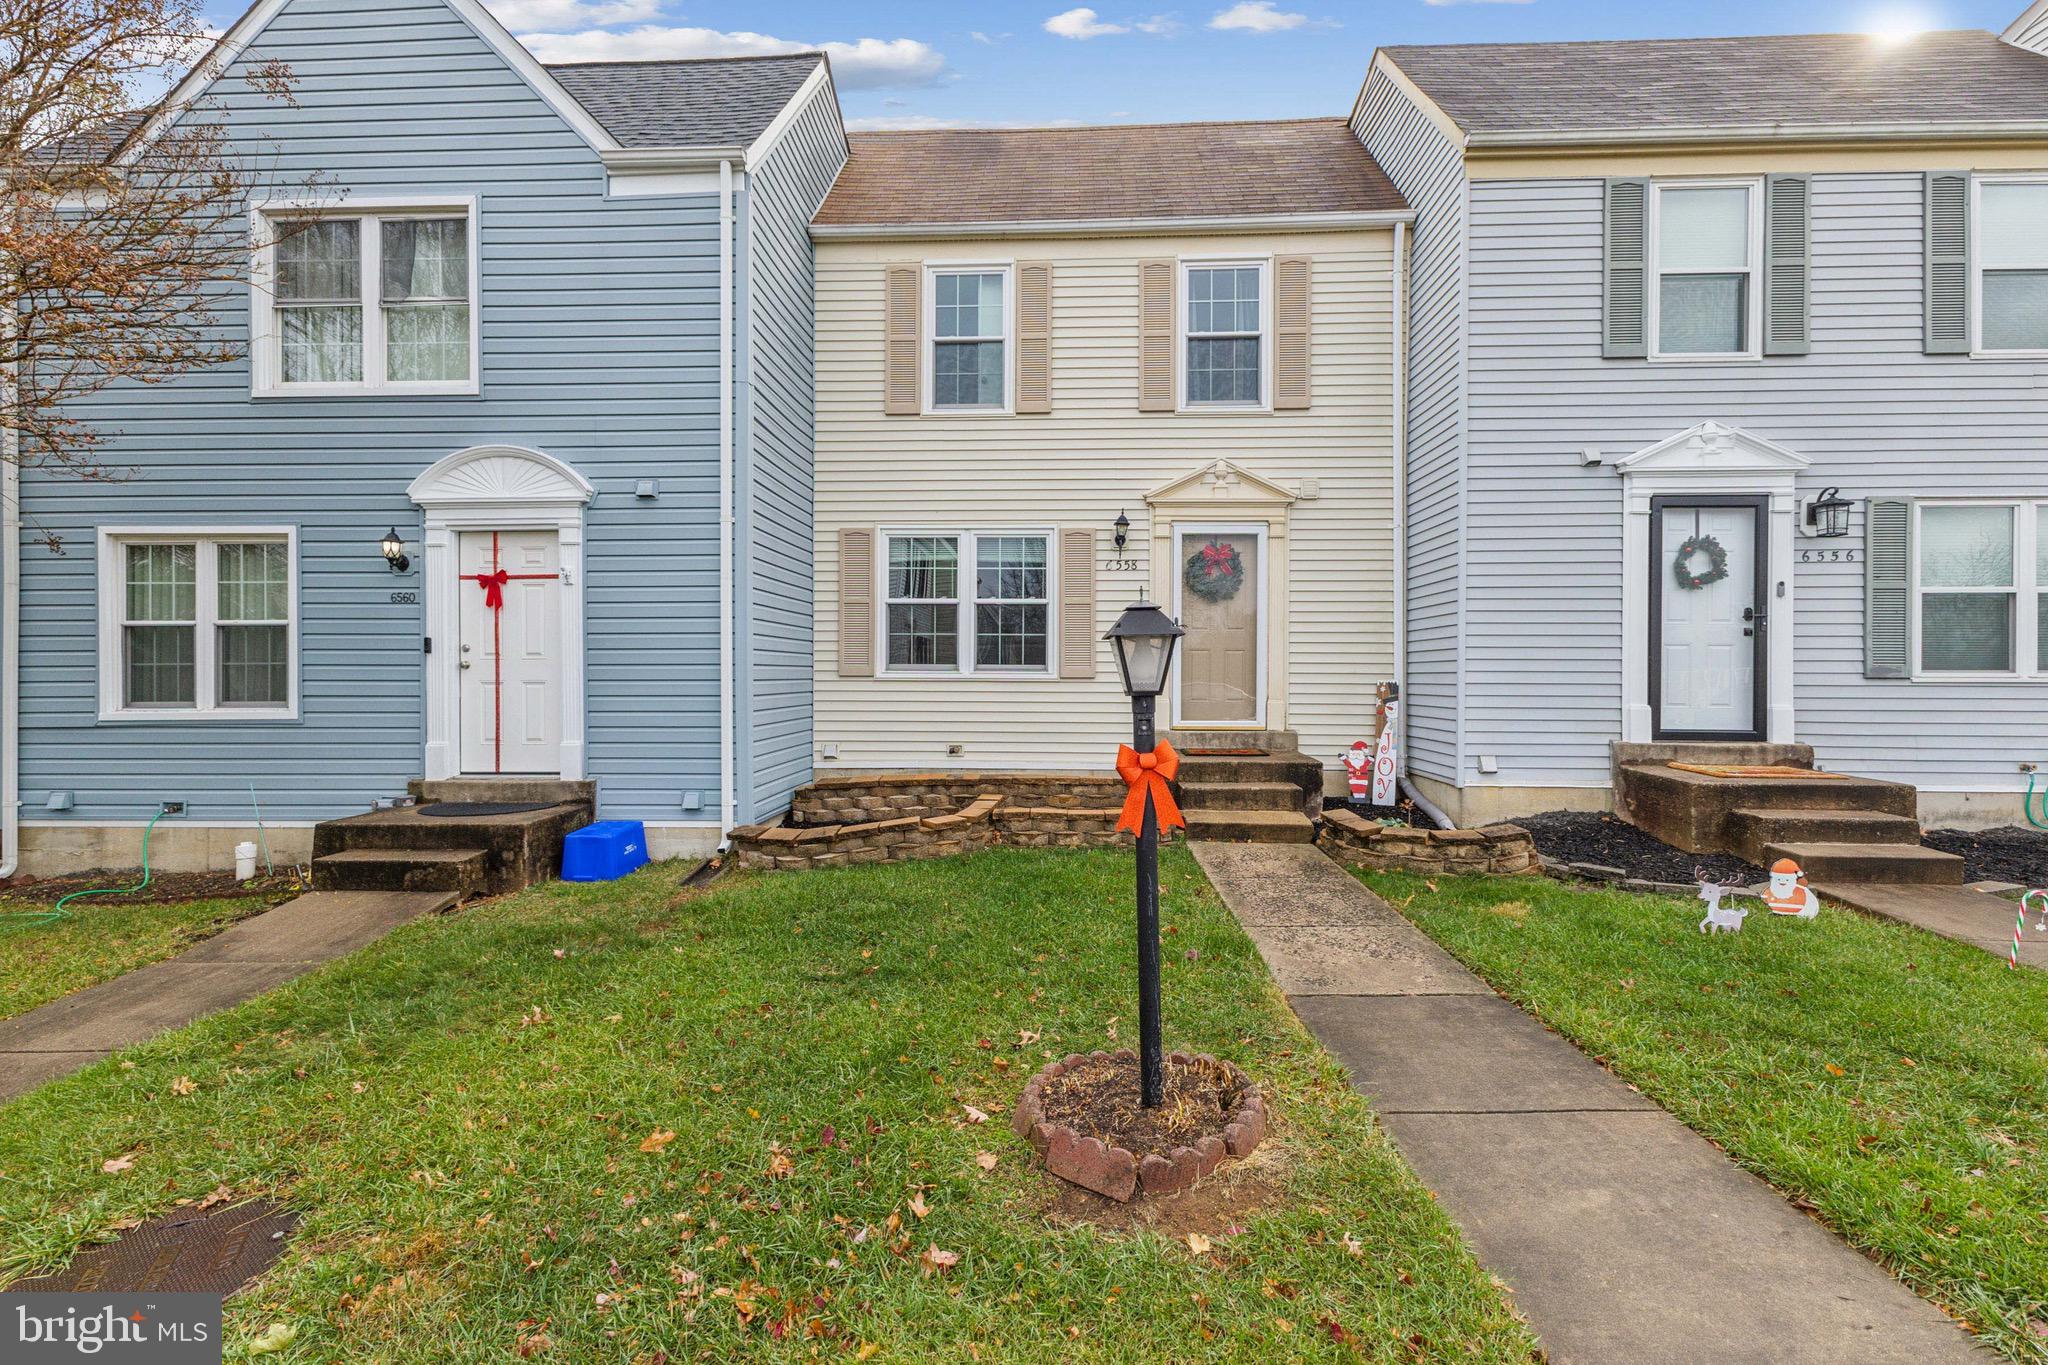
1144, 637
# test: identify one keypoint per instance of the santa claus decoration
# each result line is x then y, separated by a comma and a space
1788, 893
1358, 771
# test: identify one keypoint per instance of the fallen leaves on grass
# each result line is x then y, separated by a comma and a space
937, 1262
657, 1140
275, 1337
184, 1085
1834, 1070
117, 1164
986, 1160
1199, 1244
918, 1206
972, 1114
779, 1164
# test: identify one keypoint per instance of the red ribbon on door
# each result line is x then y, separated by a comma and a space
493, 584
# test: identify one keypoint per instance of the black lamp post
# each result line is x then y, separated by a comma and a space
1144, 637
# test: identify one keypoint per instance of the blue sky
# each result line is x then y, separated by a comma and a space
912, 63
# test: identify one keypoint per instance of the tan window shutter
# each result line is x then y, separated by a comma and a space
1155, 336
856, 602
901, 325
1077, 604
1034, 337
1290, 333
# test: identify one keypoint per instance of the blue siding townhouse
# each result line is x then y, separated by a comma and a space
549, 323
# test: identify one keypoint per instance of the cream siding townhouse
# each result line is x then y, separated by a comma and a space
1026, 338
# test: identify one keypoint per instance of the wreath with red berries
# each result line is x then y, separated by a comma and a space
1215, 572
1717, 563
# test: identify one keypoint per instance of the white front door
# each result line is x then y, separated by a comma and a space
1221, 671
510, 670
1708, 631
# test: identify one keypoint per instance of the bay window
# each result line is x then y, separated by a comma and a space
1981, 588
958, 602
197, 624
1706, 240
366, 302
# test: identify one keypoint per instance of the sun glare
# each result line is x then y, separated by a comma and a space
1893, 27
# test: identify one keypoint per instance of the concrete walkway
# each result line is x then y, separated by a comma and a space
1625, 1236
1973, 917
259, 954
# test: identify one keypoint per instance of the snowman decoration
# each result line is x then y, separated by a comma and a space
1358, 772
1788, 893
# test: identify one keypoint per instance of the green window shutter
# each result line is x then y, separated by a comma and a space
1948, 263
1788, 264
1887, 579
1625, 328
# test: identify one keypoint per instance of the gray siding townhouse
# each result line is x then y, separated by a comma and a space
550, 323
1675, 303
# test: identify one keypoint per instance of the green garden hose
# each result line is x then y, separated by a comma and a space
30, 919
2027, 805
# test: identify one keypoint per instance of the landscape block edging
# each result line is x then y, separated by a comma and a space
1495, 850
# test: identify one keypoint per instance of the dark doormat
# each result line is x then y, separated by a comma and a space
1223, 753
471, 809
186, 1252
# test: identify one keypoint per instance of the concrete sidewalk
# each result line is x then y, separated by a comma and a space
257, 955
1957, 912
1626, 1237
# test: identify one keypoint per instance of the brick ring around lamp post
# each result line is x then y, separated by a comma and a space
1116, 1171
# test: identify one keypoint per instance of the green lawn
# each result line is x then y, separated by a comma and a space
608, 1122
1894, 1082
39, 962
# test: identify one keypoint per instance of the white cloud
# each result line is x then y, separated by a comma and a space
1081, 24
571, 14
1257, 16
1159, 25
868, 64
988, 39
900, 123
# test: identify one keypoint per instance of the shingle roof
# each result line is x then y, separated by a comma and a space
703, 102
1814, 80
88, 146
963, 176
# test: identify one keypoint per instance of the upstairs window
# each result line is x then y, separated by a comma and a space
2012, 265
970, 339
1706, 241
1225, 347
367, 303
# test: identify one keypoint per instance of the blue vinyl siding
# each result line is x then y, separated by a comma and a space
599, 346
774, 494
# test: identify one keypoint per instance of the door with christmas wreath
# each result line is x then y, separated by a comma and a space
1221, 661
1707, 618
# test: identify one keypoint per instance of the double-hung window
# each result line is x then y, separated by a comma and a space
1981, 588
970, 339
2011, 264
366, 302
1706, 241
1225, 322
197, 623
968, 602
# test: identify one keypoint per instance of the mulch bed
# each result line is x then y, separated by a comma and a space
1571, 836
1404, 813
164, 888
2007, 854
1100, 1099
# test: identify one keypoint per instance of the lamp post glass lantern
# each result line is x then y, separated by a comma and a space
1144, 637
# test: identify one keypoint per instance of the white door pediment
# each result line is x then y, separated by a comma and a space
1221, 481
499, 476
1713, 448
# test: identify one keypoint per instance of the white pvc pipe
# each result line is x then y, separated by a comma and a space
10, 654
728, 810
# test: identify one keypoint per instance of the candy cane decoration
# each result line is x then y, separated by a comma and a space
2013, 961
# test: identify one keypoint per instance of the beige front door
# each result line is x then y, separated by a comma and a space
1222, 665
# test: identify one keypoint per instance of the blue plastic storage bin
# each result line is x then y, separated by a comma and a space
604, 851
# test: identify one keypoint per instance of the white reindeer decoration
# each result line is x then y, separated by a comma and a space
1720, 919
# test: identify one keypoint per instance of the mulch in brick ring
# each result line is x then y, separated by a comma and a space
1085, 1117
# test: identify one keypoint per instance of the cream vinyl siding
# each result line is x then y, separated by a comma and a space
1093, 455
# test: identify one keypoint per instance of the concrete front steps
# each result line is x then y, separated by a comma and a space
1251, 787
1837, 828
404, 849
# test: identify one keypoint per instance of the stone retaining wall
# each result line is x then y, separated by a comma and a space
854, 798
987, 819
1500, 850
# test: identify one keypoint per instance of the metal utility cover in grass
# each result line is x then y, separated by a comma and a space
216, 1252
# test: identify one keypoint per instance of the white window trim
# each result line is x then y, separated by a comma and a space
928, 342
1180, 331
112, 594
264, 380
2026, 587
1977, 183
967, 601
1754, 295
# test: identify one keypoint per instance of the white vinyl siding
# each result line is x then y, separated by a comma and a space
380, 299
1980, 582
2009, 277
1706, 241
198, 623
967, 602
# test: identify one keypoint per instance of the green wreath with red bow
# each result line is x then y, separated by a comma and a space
1215, 572
1717, 563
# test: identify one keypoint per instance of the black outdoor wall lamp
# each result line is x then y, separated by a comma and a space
1827, 516
394, 551
1120, 533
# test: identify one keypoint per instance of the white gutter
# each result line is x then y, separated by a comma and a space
10, 650
1118, 227
1926, 131
650, 159
728, 810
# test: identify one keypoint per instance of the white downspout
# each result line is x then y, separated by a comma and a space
10, 653
728, 810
